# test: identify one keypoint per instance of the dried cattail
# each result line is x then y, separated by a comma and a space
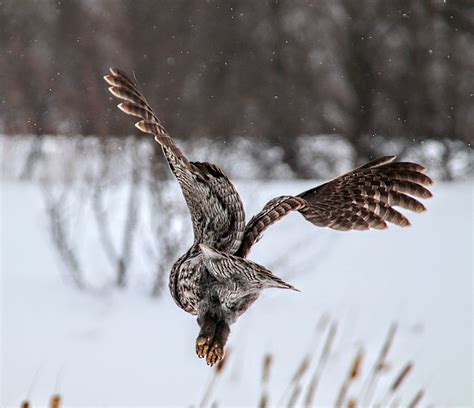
396, 384
352, 375
55, 401
416, 400
401, 377
313, 385
356, 365
25, 404
301, 370
267, 365
352, 403
386, 347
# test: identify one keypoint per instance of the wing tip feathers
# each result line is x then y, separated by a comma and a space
108, 79
381, 226
405, 223
141, 126
114, 91
122, 107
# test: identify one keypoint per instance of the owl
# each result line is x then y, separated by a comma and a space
214, 280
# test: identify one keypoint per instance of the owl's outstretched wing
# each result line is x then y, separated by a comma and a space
361, 199
215, 206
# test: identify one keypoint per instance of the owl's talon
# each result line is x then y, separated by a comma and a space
211, 339
202, 345
215, 354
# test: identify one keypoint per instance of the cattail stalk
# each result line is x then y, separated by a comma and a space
295, 381
313, 385
379, 365
212, 382
416, 400
352, 375
401, 377
396, 384
267, 364
294, 395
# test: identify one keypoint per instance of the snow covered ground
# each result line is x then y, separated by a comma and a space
122, 348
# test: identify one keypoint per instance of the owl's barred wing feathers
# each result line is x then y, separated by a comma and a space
361, 199
136, 105
216, 210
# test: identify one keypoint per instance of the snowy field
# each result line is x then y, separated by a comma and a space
123, 348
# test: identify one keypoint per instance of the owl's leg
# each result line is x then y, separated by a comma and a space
208, 328
216, 352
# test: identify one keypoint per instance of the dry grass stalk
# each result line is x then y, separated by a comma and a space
323, 322
379, 365
295, 381
208, 390
401, 377
353, 374
267, 364
305, 363
26, 402
211, 384
263, 401
395, 403
397, 382
302, 368
55, 401
294, 395
357, 364
416, 400
313, 385
352, 403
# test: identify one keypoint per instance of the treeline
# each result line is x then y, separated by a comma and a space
273, 71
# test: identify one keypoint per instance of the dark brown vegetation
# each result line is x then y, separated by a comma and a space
273, 71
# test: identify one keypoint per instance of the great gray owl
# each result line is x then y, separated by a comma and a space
213, 279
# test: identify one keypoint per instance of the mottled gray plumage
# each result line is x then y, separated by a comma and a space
213, 280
